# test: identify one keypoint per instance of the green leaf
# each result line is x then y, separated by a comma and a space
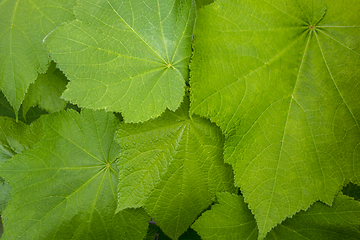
201, 3
352, 190
46, 91
173, 166
4, 196
280, 78
23, 25
154, 231
5, 108
321, 222
7, 111
126, 56
17, 137
72, 192
231, 219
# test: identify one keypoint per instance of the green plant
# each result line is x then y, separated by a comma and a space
264, 124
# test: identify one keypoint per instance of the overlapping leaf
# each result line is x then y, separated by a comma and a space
231, 219
17, 137
72, 192
7, 111
46, 91
126, 56
281, 79
173, 166
23, 25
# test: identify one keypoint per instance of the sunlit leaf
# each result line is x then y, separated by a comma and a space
281, 79
126, 56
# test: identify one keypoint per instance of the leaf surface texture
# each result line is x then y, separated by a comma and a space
126, 56
173, 166
23, 25
280, 78
72, 192
231, 219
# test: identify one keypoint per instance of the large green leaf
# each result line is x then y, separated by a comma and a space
281, 79
173, 166
46, 91
72, 192
126, 56
231, 219
23, 25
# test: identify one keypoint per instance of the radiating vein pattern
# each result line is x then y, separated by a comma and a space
173, 166
126, 56
281, 79
72, 192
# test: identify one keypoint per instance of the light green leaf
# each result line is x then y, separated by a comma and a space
173, 166
23, 25
281, 78
126, 56
231, 219
72, 192
46, 91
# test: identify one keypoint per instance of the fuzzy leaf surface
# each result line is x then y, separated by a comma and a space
173, 166
72, 192
231, 219
126, 56
281, 79
23, 25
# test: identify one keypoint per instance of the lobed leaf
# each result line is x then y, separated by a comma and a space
17, 137
280, 78
72, 192
126, 56
173, 166
7, 111
46, 91
23, 25
231, 219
